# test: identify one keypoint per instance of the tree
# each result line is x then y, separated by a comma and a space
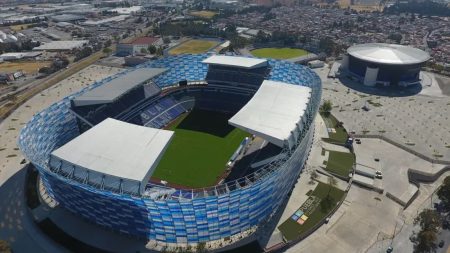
152, 49
160, 51
444, 194
326, 106
166, 40
430, 222
107, 50
332, 182
327, 203
313, 176
144, 51
45, 70
85, 52
4, 247
107, 43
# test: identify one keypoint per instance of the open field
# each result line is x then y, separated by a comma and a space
279, 53
203, 14
193, 47
340, 163
200, 149
30, 67
326, 199
21, 27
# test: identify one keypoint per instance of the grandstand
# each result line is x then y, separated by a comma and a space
216, 171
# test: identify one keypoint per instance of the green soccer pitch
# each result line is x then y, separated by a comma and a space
278, 53
198, 153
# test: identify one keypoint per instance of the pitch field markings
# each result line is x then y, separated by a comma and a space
198, 153
193, 47
279, 53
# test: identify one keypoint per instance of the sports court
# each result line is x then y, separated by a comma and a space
193, 47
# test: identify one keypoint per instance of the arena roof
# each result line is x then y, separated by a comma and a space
388, 53
116, 87
274, 111
235, 61
117, 149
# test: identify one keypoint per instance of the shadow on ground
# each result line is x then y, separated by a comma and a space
215, 124
14, 216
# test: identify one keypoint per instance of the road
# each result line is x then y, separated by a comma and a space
26, 92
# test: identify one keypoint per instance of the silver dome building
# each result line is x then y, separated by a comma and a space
384, 64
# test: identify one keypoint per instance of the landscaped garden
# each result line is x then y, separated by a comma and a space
340, 163
316, 208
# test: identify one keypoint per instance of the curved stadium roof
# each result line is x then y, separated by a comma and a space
388, 54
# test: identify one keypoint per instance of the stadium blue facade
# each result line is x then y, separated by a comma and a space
179, 216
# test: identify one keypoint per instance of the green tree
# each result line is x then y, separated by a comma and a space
152, 49
144, 51
430, 222
107, 50
326, 106
159, 51
313, 176
332, 182
444, 194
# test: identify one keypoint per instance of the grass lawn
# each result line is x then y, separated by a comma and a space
193, 47
340, 136
340, 163
21, 27
30, 67
200, 149
279, 53
203, 14
292, 230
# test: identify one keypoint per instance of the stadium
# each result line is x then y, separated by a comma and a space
384, 64
183, 150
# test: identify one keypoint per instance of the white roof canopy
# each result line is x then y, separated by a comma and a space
115, 150
274, 111
235, 61
388, 53
117, 86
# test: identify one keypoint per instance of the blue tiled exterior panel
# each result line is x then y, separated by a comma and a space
171, 220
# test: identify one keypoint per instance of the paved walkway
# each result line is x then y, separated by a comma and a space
414, 120
305, 183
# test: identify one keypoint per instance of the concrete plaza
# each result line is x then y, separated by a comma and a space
418, 121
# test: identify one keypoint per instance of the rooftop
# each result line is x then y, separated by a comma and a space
116, 87
236, 61
388, 53
61, 45
118, 149
274, 111
145, 40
